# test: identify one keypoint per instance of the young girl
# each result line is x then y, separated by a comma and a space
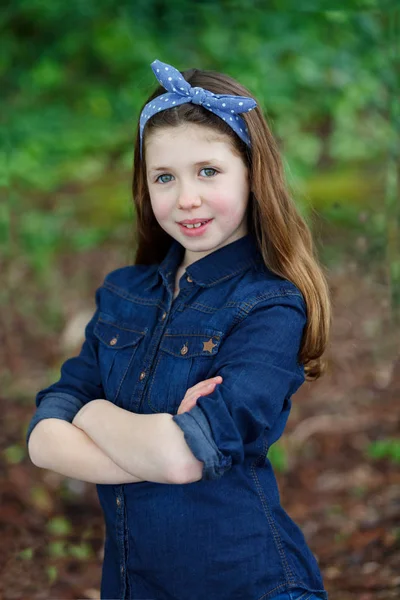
185, 377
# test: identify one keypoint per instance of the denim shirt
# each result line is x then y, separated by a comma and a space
225, 536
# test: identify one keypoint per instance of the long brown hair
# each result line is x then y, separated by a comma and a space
283, 237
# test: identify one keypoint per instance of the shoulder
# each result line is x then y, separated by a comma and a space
263, 288
126, 279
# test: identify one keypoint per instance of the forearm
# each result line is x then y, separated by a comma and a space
150, 446
59, 446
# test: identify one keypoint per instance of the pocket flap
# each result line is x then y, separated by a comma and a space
116, 335
190, 344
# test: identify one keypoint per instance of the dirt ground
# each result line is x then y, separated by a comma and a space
346, 502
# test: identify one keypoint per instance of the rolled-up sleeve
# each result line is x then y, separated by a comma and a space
258, 361
80, 382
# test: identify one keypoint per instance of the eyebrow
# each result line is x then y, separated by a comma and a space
197, 164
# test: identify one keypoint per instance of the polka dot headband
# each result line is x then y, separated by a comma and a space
179, 91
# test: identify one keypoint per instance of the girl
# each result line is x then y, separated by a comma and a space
185, 377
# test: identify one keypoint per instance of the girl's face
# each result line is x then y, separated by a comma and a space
192, 173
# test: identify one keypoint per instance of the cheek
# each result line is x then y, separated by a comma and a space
161, 208
230, 207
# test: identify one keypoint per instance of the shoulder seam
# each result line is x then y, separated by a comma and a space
246, 308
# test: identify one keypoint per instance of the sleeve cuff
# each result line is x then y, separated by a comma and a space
198, 436
55, 406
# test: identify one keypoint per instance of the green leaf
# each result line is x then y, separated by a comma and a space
277, 456
82, 551
59, 526
388, 448
57, 549
15, 454
26, 554
52, 574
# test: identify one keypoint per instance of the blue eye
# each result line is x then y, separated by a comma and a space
210, 169
158, 180
163, 175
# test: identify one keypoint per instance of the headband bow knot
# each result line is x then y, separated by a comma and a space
179, 91
199, 95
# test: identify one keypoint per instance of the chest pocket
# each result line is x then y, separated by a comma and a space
118, 345
183, 359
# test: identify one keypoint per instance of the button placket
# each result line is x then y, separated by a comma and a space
183, 290
120, 525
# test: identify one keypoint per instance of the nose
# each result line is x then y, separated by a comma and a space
188, 196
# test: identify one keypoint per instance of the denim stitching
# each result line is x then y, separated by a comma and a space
242, 267
125, 372
145, 301
109, 370
130, 297
189, 335
151, 386
127, 554
301, 597
118, 491
277, 588
62, 396
287, 569
120, 326
225, 462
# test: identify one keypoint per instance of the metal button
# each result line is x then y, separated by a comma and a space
113, 341
122, 569
189, 279
164, 315
118, 501
184, 349
142, 375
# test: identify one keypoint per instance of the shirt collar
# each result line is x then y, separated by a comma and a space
223, 263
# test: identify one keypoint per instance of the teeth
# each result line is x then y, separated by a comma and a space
195, 225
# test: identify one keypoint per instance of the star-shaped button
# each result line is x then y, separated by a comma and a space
208, 346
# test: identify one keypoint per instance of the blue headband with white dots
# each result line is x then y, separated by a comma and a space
179, 91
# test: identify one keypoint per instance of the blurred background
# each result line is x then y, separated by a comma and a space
73, 77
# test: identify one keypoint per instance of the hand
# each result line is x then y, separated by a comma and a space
200, 389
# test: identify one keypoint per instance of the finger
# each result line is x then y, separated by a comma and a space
205, 387
207, 382
201, 389
190, 399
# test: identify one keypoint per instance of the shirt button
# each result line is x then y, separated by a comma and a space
184, 349
113, 342
164, 315
118, 500
142, 375
122, 569
189, 279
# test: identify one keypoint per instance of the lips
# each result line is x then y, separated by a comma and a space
193, 221
195, 230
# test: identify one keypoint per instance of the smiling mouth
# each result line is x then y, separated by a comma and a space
195, 225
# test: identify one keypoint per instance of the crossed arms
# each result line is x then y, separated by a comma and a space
107, 444
102, 443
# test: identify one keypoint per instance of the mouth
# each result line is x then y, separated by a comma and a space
194, 229
190, 224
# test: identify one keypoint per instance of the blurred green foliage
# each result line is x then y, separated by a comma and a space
14, 454
278, 456
26, 554
75, 75
59, 526
385, 448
